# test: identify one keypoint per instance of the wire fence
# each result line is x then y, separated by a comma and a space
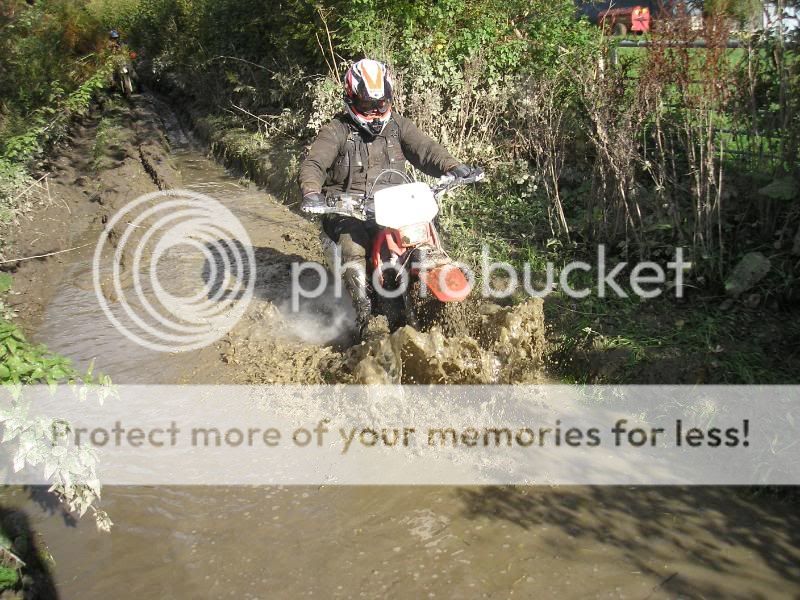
760, 147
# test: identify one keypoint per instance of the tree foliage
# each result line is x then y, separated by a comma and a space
474, 74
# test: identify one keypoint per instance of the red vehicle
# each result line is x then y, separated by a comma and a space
622, 20
407, 250
622, 16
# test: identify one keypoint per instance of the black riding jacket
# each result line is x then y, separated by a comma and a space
343, 158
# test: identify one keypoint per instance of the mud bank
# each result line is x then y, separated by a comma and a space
271, 163
116, 153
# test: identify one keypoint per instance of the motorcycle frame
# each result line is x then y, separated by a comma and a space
389, 242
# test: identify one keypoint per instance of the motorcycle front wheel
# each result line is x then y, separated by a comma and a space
127, 85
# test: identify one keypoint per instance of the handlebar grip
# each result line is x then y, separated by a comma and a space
474, 177
342, 204
315, 210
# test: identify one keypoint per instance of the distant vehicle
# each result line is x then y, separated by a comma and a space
125, 81
619, 17
622, 20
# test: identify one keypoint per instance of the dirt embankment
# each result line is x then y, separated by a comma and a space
116, 153
270, 163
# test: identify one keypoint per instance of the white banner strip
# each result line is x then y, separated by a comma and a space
387, 435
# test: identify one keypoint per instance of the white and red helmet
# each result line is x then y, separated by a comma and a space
368, 95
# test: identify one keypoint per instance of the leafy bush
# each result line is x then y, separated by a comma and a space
45, 125
8, 578
22, 362
42, 45
54, 62
72, 470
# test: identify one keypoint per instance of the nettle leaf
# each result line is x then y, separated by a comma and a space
785, 188
27, 440
35, 455
9, 433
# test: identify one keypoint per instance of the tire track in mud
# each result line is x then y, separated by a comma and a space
97, 168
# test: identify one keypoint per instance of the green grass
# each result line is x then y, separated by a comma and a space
724, 342
109, 133
24, 362
9, 578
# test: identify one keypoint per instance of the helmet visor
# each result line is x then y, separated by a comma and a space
372, 107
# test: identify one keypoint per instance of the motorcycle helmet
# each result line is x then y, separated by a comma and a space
114, 34
368, 95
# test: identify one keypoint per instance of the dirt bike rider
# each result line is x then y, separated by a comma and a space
123, 56
114, 40
351, 154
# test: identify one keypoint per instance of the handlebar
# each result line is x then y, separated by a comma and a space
363, 207
449, 182
359, 207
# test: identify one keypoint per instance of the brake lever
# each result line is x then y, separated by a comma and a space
369, 208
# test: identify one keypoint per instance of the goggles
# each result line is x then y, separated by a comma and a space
366, 107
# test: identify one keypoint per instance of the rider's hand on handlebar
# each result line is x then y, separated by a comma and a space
463, 171
313, 203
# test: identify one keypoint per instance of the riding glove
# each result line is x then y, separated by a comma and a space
461, 170
313, 203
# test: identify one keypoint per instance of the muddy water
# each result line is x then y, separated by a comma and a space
75, 325
427, 542
349, 542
